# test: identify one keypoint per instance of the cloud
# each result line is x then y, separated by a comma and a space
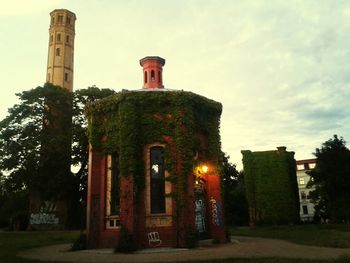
20, 7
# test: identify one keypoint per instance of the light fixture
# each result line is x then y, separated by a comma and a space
204, 169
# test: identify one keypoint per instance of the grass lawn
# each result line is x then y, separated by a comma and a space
13, 242
313, 235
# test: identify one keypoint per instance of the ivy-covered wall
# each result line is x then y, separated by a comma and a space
271, 186
126, 122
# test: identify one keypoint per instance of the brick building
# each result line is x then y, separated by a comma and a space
154, 165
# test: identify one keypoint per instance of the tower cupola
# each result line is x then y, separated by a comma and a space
152, 72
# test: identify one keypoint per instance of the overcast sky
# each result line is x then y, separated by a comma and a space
280, 68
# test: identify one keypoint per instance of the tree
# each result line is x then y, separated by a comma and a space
331, 179
36, 129
233, 193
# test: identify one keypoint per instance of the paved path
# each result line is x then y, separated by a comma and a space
246, 247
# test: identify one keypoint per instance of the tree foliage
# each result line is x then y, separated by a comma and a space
35, 141
233, 193
331, 179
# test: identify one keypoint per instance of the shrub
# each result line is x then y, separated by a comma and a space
79, 243
126, 242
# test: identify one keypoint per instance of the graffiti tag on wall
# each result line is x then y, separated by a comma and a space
46, 215
216, 210
200, 216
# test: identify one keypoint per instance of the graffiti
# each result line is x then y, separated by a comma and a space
46, 215
200, 216
216, 209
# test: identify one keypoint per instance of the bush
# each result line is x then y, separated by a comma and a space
79, 243
126, 242
192, 238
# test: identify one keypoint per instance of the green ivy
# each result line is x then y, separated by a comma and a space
271, 186
128, 121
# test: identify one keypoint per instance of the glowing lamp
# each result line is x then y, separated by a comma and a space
204, 168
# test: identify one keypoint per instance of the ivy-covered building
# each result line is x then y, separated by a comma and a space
271, 186
154, 166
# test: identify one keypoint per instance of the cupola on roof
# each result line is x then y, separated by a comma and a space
152, 72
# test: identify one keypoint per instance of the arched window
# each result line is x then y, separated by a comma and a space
159, 77
145, 76
58, 37
67, 38
58, 52
152, 75
157, 180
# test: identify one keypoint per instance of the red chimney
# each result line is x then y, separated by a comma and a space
152, 72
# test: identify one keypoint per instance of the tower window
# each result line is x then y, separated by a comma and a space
67, 38
145, 76
60, 19
51, 38
58, 52
68, 20
157, 180
52, 20
152, 75
59, 37
65, 76
159, 77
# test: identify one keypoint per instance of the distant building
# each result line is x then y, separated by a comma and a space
271, 186
307, 209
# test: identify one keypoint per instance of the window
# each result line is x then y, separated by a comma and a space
300, 167
52, 20
51, 38
145, 76
58, 52
68, 20
67, 38
159, 77
58, 37
152, 75
112, 192
65, 76
157, 180
301, 181
60, 19
48, 77
305, 211
312, 165
302, 195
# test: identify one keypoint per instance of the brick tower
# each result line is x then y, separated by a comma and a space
61, 49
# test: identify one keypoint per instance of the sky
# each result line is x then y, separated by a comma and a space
280, 68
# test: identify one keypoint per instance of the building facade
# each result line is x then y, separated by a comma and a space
307, 209
154, 166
